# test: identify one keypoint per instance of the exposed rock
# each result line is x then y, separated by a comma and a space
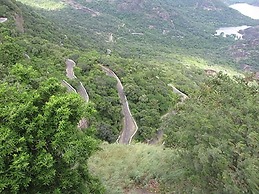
2, 20
251, 33
130, 5
78, 6
248, 47
210, 72
19, 22
160, 12
83, 124
110, 37
108, 51
207, 5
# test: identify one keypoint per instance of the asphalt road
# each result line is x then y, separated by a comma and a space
129, 124
82, 92
70, 68
70, 64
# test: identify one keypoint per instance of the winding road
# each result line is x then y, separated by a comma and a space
175, 90
70, 69
70, 64
82, 92
160, 132
68, 86
129, 124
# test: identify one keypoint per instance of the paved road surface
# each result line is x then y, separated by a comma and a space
70, 64
175, 90
70, 69
68, 86
129, 124
82, 92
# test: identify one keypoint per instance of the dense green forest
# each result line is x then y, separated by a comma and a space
206, 142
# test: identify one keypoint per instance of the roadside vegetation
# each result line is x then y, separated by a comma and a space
210, 141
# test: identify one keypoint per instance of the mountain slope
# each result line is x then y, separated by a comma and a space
132, 28
211, 137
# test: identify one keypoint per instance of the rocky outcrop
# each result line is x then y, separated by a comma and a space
78, 6
19, 22
248, 47
130, 5
2, 20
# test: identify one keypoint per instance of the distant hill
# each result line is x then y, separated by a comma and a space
140, 28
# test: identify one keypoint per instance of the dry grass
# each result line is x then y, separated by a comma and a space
138, 168
46, 4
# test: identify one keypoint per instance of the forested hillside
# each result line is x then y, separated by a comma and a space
68, 70
132, 28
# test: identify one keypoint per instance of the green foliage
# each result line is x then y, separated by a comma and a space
42, 150
49, 4
125, 168
216, 131
10, 53
102, 91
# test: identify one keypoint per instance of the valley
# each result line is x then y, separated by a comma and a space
125, 97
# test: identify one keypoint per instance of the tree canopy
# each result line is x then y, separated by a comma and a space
42, 150
217, 134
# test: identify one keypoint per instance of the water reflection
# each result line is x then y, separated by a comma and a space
231, 31
247, 10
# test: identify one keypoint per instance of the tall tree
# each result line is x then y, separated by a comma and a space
217, 133
41, 149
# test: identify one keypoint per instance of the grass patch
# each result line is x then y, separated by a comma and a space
133, 168
46, 4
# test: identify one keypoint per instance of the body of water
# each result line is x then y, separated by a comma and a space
247, 10
231, 30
